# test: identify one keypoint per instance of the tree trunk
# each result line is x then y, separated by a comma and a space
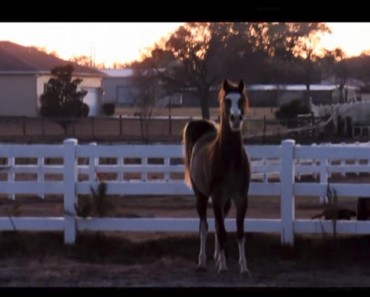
204, 104
308, 78
308, 93
341, 97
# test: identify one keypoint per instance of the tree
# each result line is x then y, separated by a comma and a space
199, 56
292, 49
307, 48
62, 98
340, 72
82, 60
197, 62
147, 91
45, 51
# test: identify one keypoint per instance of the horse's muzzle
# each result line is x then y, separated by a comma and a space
236, 122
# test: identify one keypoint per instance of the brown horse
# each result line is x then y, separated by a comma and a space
217, 166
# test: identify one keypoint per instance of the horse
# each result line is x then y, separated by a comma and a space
217, 166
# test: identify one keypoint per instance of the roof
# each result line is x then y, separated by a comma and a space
313, 87
118, 72
15, 58
127, 72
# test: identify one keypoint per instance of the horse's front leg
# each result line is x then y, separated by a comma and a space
216, 255
221, 236
241, 208
202, 203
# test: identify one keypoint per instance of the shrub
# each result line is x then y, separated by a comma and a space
109, 108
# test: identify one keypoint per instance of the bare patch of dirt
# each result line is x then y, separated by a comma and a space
155, 259
31, 259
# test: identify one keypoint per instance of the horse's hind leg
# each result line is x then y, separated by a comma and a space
241, 209
202, 203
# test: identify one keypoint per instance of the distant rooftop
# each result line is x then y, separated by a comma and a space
15, 58
118, 72
313, 87
127, 72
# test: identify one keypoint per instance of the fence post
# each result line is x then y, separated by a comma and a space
144, 174
24, 125
120, 125
287, 204
42, 126
40, 172
70, 179
11, 174
169, 125
92, 127
323, 178
93, 162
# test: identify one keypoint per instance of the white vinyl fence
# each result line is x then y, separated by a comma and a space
275, 169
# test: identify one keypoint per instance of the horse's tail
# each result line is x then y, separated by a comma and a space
193, 131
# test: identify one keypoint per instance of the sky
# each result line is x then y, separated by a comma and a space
106, 42
353, 38
124, 42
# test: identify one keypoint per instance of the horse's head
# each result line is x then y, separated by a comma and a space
233, 103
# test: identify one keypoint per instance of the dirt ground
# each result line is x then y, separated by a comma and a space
119, 259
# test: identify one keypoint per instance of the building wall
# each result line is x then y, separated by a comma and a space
262, 98
122, 90
18, 95
274, 98
192, 99
318, 97
115, 86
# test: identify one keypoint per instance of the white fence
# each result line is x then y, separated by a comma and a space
81, 163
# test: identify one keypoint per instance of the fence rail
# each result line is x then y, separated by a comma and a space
276, 170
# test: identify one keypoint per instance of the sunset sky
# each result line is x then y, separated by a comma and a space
124, 42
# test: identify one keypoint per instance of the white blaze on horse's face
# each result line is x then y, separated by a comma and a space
235, 111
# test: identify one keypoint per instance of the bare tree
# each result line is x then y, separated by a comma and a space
82, 60
307, 47
196, 60
146, 93
341, 72
293, 47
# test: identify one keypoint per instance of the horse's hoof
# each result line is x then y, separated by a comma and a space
222, 270
201, 269
245, 273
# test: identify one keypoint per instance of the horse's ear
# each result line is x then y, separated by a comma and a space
241, 85
226, 85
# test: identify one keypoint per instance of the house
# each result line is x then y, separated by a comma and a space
120, 88
276, 95
24, 72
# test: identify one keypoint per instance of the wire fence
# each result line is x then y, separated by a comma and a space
137, 129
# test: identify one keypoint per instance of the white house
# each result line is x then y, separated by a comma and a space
24, 71
120, 88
